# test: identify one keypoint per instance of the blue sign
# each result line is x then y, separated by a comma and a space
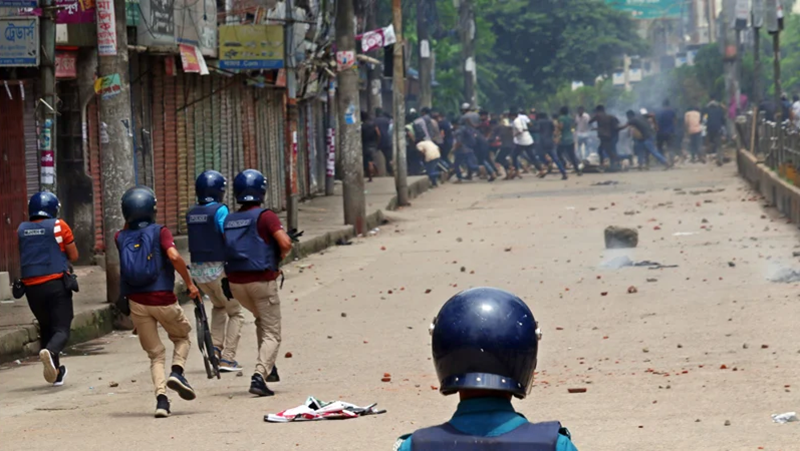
651, 9
19, 3
19, 41
251, 64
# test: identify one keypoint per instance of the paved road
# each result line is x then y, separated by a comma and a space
652, 361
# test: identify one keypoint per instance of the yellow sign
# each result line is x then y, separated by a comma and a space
251, 47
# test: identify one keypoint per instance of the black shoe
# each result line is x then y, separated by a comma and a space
62, 374
564, 177
273, 376
179, 383
259, 387
162, 406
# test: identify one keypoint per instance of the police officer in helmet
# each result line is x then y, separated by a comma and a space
255, 243
46, 246
206, 222
148, 260
485, 342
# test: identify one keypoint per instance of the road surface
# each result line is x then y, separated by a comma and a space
698, 358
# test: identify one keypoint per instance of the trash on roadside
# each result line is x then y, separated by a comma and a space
788, 417
785, 275
606, 183
620, 237
314, 410
684, 233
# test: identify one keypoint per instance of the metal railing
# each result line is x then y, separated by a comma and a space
776, 145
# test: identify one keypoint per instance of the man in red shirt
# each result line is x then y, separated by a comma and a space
255, 245
148, 261
46, 247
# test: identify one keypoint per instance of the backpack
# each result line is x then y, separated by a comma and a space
140, 259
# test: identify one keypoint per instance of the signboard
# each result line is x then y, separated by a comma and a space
649, 9
75, 11
196, 25
19, 3
108, 86
19, 42
157, 26
47, 159
66, 65
106, 28
251, 47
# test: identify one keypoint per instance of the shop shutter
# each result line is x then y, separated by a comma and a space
93, 142
158, 119
182, 169
171, 152
31, 147
13, 189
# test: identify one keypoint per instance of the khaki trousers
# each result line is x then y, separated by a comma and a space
146, 320
227, 319
261, 299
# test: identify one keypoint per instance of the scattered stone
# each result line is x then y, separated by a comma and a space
645, 350
113, 384
652, 280
577, 390
732, 264
604, 293
508, 249
459, 239
133, 381
764, 346
727, 422
745, 346
240, 374
427, 291
621, 237
386, 377
632, 290
463, 269
697, 420
796, 254
630, 212
344, 315
288, 355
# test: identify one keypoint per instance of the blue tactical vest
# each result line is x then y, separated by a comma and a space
206, 243
39, 253
245, 251
528, 437
142, 258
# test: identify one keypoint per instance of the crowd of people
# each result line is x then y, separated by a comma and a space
490, 146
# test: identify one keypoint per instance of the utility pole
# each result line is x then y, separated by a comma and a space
774, 16
116, 132
399, 102
424, 38
731, 54
47, 86
349, 119
466, 26
290, 152
375, 85
712, 20
758, 23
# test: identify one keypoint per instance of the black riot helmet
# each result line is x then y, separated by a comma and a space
485, 339
139, 207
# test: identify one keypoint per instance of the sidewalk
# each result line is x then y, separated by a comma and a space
321, 218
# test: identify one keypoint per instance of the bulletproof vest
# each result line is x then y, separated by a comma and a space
39, 253
528, 437
143, 260
245, 250
206, 243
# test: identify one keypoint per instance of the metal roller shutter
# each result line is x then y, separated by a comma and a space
13, 189
171, 152
182, 169
158, 118
93, 141
191, 171
31, 151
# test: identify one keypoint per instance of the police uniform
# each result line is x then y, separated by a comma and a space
47, 286
147, 281
205, 224
251, 263
485, 341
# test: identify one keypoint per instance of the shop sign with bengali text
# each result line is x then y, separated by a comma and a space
75, 11
251, 47
19, 41
66, 65
106, 28
649, 9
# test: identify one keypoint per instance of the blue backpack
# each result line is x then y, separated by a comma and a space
140, 259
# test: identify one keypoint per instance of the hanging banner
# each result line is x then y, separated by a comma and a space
251, 46
345, 59
192, 59
106, 28
19, 3
19, 42
47, 160
75, 11
376, 39
66, 65
108, 86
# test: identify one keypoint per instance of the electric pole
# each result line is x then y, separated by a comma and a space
773, 19
116, 132
731, 55
375, 87
290, 151
466, 27
349, 119
423, 36
47, 86
399, 103
758, 23
712, 20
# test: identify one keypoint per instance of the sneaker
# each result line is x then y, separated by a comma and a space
273, 375
50, 371
162, 406
179, 383
259, 387
229, 366
62, 374
218, 353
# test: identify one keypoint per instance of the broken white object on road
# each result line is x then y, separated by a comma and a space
787, 417
314, 410
684, 233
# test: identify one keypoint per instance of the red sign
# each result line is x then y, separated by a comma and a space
106, 28
66, 65
189, 59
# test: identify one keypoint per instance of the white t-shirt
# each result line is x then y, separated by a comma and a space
796, 111
582, 125
522, 137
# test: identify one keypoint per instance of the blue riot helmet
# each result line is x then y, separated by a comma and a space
210, 187
139, 207
485, 339
250, 186
43, 205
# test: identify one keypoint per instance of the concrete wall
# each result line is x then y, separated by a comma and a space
783, 195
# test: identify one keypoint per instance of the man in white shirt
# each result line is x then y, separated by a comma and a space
583, 132
523, 142
796, 111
